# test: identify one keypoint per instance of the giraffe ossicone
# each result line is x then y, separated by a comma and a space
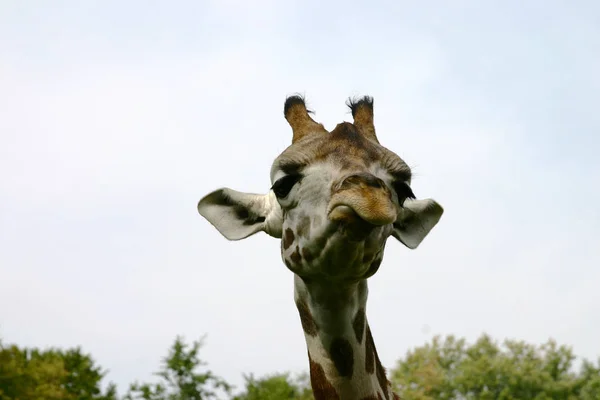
336, 198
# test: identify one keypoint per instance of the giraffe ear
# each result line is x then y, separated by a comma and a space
415, 220
239, 215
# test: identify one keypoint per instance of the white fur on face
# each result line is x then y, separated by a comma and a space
313, 245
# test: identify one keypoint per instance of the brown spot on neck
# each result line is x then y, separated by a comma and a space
306, 319
322, 388
342, 356
369, 352
374, 359
383, 382
358, 324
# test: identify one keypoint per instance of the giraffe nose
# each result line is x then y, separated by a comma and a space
362, 179
365, 196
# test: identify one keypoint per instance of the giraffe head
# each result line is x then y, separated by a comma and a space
336, 198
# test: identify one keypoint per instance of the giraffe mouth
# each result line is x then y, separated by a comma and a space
374, 215
350, 224
343, 213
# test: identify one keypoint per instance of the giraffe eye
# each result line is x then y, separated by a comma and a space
282, 186
403, 191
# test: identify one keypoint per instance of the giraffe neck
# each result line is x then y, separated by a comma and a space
344, 364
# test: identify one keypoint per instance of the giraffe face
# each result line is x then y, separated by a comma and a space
335, 199
340, 195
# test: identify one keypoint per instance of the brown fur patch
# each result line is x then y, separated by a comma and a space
379, 396
306, 319
296, 114
379, 370
295, 256
383, 382
322, 388
303, 228
371, 397
358, 324
396, 397
308, 256
342, 356
347, 145
369, 352
288, 238
345, 131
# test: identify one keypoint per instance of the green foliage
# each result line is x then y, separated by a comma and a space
276, 387
451, 369
31, 374
83, 377
446, 369
180, 379
590, 375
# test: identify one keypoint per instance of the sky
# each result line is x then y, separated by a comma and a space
117, 117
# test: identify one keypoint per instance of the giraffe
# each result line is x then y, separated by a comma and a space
336, 198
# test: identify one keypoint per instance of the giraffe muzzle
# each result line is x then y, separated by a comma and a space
364, 197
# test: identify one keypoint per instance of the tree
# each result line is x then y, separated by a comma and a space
276, 387
590, 374
33, 374
452, 369
84, 378
180, 380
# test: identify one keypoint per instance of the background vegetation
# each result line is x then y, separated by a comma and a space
445, 368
